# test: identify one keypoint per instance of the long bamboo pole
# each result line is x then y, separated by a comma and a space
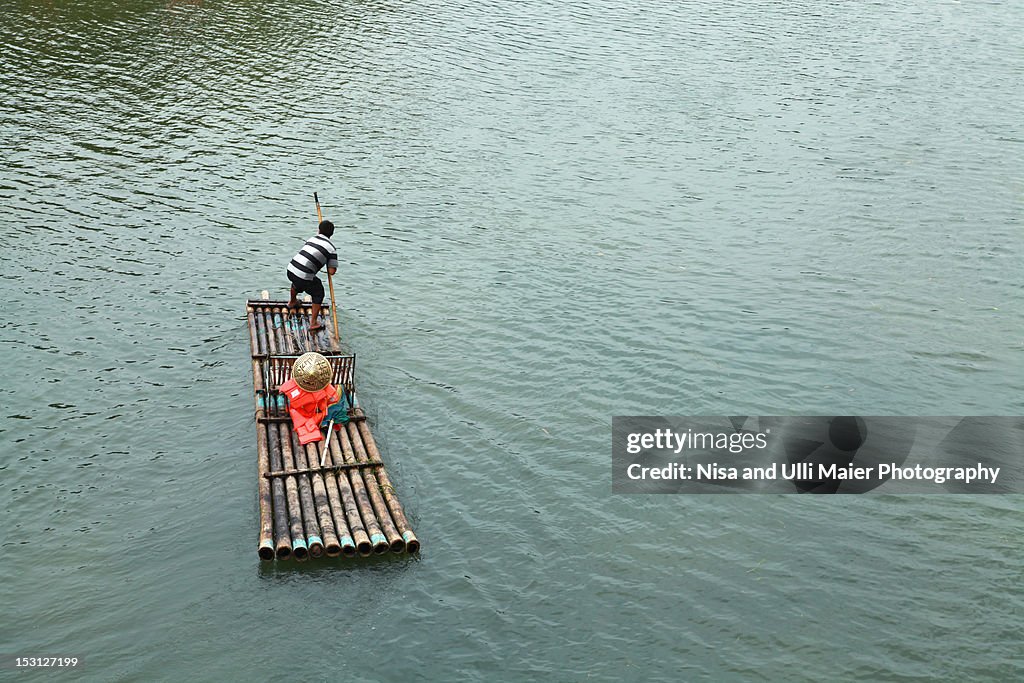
299, 547
253, 343
412, 544
330, 280
265, 547
334, 309
282, 537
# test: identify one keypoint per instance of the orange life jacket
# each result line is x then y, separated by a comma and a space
307, 409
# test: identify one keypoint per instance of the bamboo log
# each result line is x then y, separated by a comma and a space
279, 333
395, 541
282, 537
269, 327
265, 547
283, 373
298, 330
301, 333
309, 336
270, 333
377, 537
334, 498
253, 344
295, 342
271, 339
257, 379
332, 545
268, 330
260, 345
333, 343
313, 540
319, 337
282, 341
348, 498
275, 331
266, 542
412, 544
289, 337
298, 534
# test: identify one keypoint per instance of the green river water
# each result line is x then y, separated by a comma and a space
548, 214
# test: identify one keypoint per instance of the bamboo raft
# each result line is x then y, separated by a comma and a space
347, 507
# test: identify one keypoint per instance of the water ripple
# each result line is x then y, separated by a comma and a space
548, 214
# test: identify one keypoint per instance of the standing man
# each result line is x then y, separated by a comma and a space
317, 252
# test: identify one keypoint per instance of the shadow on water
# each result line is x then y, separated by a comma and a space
325, 566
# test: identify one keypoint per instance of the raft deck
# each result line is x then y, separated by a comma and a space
348, 506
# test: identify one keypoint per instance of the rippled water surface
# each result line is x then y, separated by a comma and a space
548, 214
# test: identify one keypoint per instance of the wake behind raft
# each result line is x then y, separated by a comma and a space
318, 494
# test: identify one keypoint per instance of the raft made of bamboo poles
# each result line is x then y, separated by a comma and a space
346, 507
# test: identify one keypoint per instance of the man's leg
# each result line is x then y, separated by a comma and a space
293, 302
315, 325
317, 293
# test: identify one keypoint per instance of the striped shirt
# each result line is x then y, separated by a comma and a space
317, 251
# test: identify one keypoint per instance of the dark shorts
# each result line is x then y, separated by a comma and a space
312, 287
